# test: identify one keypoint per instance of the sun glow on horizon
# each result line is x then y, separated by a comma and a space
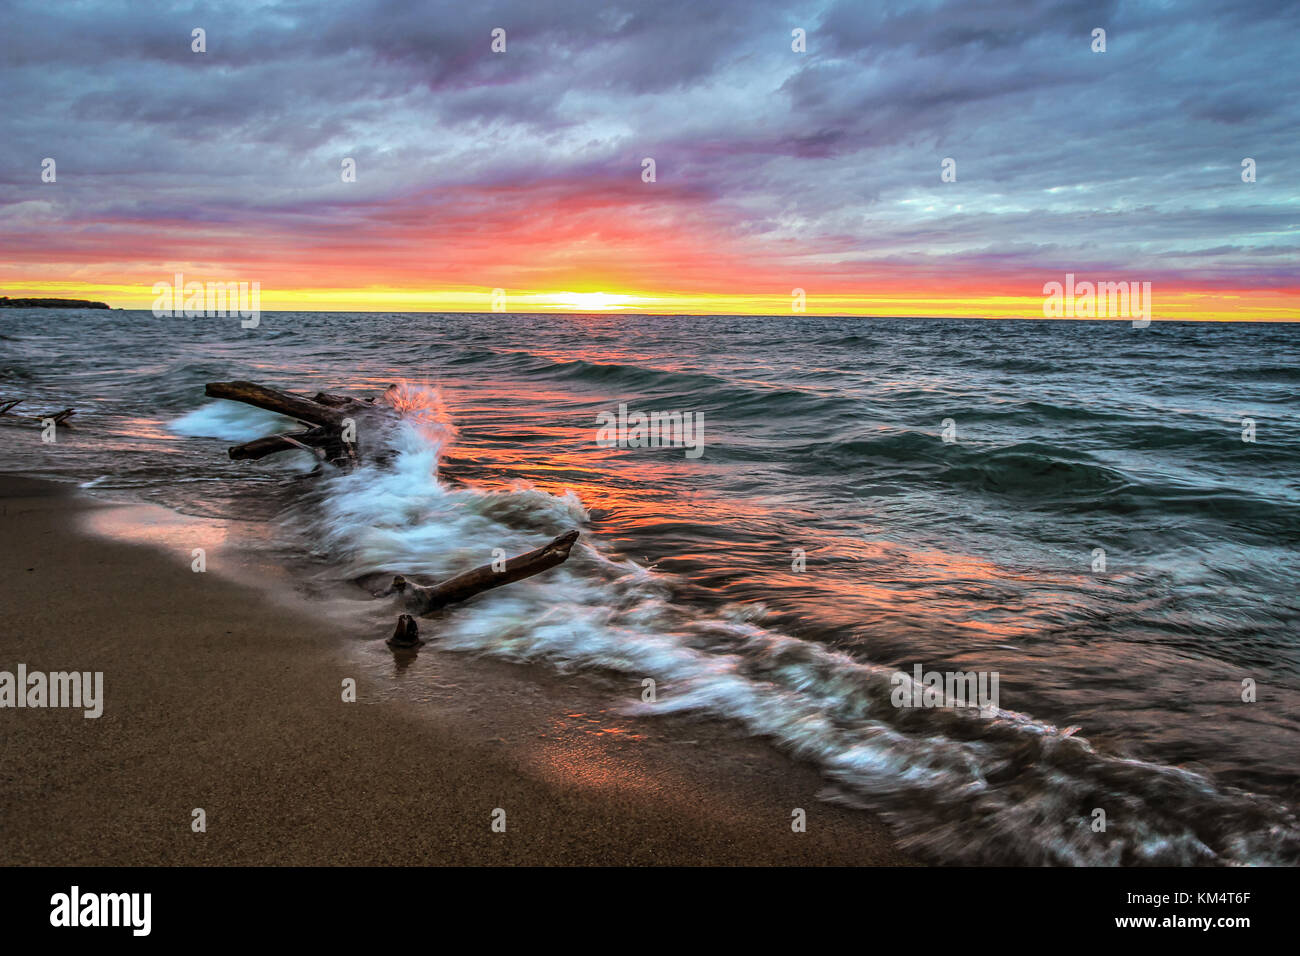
592, 301
1185, 304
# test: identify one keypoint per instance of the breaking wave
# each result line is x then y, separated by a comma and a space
956, 787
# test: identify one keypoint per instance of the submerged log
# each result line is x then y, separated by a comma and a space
422, 600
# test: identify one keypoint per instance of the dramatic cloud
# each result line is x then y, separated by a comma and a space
775, 169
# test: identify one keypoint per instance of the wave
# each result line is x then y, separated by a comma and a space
1047, 477
1262, 373
856, 339
1024, 468
1006, 789
1034, 366
1031, 468
722, 396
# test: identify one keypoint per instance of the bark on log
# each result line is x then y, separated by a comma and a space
315, 438
421, 600
294, 406
342, 401
325, 411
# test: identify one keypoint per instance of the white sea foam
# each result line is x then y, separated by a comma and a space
233, 422
1030, 786
230, 421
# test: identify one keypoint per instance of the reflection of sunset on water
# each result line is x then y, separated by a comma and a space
826, 538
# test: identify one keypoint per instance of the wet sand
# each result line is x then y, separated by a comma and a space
226, 695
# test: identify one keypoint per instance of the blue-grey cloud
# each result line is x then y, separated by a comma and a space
1125, 158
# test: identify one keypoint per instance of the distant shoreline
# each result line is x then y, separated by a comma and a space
8, 303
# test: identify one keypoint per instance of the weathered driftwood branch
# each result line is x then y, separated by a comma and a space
315, 439
60, 418
342, 401
273, 400
418, 599
329, 438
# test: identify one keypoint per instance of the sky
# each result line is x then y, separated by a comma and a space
774, 169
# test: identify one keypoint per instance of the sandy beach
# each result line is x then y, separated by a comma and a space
226, 696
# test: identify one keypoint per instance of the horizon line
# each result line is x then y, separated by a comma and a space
714, 315
1276, 305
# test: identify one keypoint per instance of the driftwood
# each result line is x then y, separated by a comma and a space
60, 418
407, 633
332, 418
286, 403
314, 440
418, 599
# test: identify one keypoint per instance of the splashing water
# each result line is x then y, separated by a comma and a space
972, 555
1008, 789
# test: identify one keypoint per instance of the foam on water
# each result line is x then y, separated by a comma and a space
975, 554
230, 421
233, 422
1008, 789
